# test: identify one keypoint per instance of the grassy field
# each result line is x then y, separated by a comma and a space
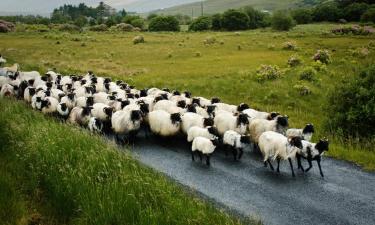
52, 173
226, 69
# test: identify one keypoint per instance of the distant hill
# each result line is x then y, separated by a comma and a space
147, 5
216, 6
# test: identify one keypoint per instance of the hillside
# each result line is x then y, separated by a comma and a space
215, 6
146, 5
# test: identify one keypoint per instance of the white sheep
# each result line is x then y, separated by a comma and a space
305, 133
63, 111
85, 101
49, 105
254, 114
276, 146
170, 106
227, 121
208, 132
258, 126
203, 146
126, 122
28, 94
8, 90
69, 100
56, 93
235, 142
312, 152
102, 111
192, 119
95, 125
80, 115
163, 123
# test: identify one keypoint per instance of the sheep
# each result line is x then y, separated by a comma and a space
8, 90
203, 102
305, 133
235, 141
192, 119
56, 93
13, 69
84, 91
79, 115
101, 97
226, 107
163, 123
312, 151
254, 114
85, 101
101, 111
28, 94
95, 125
36, 102
226, 121
69, 100
278, 147
2, 60
126, 122
63, 111
49, 105
258, 126
203, 146
208, 132
170, 106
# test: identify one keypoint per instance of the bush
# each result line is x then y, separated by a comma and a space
326, 12
354, 11
68, 27
282, 21
351, 105
235, 20
302, 16
360, 52
308, 74
302, 89
200, 24
289, 45
164, 23
216, 20
369, 15
322, 56
256, 18
268, 72
355, 29
138, 39
140, 23
99, 28
125, 27
294, 61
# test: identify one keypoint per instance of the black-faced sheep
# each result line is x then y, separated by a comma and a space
204, 147
235, 142
305, 133
312, 152
164, 124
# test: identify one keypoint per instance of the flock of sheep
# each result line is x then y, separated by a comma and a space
109, 107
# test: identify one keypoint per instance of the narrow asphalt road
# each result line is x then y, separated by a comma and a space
345, 196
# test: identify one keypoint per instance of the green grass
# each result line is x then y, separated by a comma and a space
73, 177
170, 60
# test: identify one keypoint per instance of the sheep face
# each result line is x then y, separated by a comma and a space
48, 93
83, 82
94, 80
86, 111
273, 115
242, 119
136, 115
245, 139
31, 82
118, 82
130, 95
191, 108
158, 98
144, 108
208, 122
38, 99
215, 142
187, 94
49, 84
63, 106
196, 101
44, 78
69, 86
111, 97
176, 118
215, 100
282, 122
107, 80
108, 111
164, 96
93, 88
296, 142
242, 107
124, 103
322, 146
106, 86
166, 90
58, 77
143, 93
211, 109
74, 78
71, 96
32, 91
60, 87
213, 131
45, 104
176, 93
181, 104
90, 101
309, 128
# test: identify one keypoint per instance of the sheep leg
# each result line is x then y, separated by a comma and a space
320, 168
278, 164
299, 163
200, 155
265, 163
192, 156
291, 166
234, 152
208, 160
241, 153
271, 166
310, 165
226, 147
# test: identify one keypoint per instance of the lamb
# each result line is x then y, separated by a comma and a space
203, 146
311, 151
190, 119
258, 126
305, 133
28, 94
95, 125
80, 116
278, 147
208, 132
126, 122
49, 105
63, 111
235, 141
254, 114
163, 123
226, 121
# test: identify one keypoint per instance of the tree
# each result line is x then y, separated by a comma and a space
327, 12
302, 16
200, 24
152, 16
216, 20
81, 21
369, 15
164, 23
353, 12
235, 20
256, 17
282, 21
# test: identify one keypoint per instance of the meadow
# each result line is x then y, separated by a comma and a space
221, 64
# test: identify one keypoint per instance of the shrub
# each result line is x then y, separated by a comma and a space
164, 23
289, 45
140, 23
99, 28
216, 20
355, 30
6, 26
68, 27
369, 15
200, 24
354, 11
302, 16
351, 105
360, 52
294, 61
282, 21
319, 66
235, 20
138, 39
323, 56
328, 11
256, 18
125, 27
302, 89
268, 72
308, 74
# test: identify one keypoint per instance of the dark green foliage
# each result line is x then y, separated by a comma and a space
327, 12
351, 106
235, 20
369, 15
216, 20
282, 21
200, 24
354, 11
81, 21
164, 23
302, 16
256, 17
